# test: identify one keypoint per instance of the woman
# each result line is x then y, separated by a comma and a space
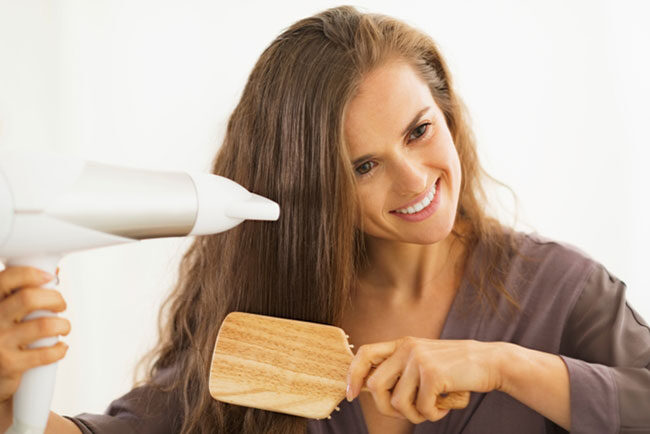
351, 123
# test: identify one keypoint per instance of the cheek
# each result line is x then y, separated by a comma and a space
444, 157
457, 172
368, 199
451, 161
442, 154
371, 202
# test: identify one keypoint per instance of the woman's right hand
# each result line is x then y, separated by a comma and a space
20, 294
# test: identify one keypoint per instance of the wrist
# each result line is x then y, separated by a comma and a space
506, 363
537, 379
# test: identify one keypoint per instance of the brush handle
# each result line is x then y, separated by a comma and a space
448, 401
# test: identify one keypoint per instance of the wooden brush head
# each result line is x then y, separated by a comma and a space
282, 365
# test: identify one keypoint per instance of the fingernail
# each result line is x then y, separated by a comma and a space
347, 393
47, 276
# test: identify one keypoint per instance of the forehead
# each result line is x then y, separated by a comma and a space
388, 98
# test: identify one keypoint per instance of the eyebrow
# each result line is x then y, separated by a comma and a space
410, 126
415, 120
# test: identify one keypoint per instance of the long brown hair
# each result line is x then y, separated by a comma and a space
285, 141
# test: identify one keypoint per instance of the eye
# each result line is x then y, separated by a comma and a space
419, 131
364, 168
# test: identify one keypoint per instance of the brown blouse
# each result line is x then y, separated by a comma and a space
570, 305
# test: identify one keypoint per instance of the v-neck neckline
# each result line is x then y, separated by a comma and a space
449, 327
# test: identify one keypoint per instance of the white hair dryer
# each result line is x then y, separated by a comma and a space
51, 205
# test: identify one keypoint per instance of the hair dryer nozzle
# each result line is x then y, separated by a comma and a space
223, 204
255, 207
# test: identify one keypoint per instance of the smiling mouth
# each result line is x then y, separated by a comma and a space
423, 203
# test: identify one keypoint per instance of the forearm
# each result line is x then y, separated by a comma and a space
538, 380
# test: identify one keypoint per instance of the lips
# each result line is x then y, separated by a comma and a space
421, 202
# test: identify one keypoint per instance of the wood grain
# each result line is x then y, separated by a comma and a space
287, 366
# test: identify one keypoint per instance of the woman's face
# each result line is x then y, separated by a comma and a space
403, 156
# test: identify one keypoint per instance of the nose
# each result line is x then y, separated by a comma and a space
409, 177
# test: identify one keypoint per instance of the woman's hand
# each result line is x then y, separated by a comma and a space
20, 295
409, 373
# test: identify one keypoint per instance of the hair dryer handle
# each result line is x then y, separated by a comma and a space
31, 406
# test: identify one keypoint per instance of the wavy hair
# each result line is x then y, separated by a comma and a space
285, 141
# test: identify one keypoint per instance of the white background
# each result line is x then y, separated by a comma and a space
558, 92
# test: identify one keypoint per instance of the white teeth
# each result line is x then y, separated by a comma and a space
420, 205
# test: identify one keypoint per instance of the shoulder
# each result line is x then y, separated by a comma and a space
546, 278
540, 246
534, 269
548, 257
534, 257
550, 271
542, 280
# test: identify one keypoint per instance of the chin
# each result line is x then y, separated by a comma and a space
424, 239
432, 233
436, 230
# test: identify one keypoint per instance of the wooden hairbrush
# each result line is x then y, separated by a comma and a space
287, 366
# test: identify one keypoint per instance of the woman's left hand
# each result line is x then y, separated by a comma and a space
411, 372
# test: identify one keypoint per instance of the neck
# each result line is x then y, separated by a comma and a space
407, 271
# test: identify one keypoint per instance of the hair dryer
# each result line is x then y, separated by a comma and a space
51, 205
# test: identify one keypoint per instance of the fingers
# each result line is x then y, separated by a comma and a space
43, 356
367, 356
405, 392
425, 403
20, 295
21, 303
14, 278
15, 363
393, 383
30, 331
402, 377
382, 380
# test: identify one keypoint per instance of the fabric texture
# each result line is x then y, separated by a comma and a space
570, 306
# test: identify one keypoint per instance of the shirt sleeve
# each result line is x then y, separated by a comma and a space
148, 409
606, 348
